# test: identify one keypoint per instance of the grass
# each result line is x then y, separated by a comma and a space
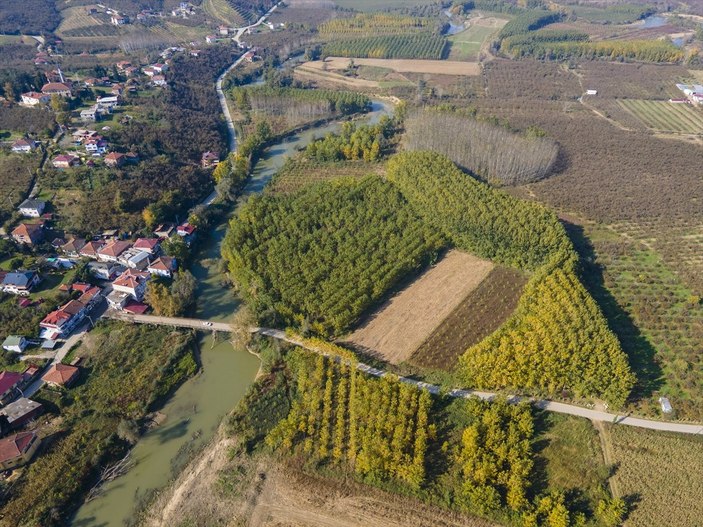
298, 173
660, 475
666, 117
569, 459
467, 44
222, 10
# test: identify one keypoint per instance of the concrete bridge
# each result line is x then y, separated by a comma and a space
176, 322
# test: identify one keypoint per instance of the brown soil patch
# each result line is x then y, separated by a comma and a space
311, 71
439, 67
479, 314
403, 323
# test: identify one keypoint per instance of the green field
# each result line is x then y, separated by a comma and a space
375, 5
467, 44
666, 117
616, 14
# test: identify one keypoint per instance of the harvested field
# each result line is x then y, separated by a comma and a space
664, 116
478, 315
439, 67
662, 473
313, 71
404, 322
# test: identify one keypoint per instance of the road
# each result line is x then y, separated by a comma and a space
218, 85
192, 323
550, 406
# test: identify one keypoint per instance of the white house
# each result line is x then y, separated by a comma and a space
132, 283
135, 259
15, 343
163, 266
32, 208
33, 98
24, 146
91, 114
104, 270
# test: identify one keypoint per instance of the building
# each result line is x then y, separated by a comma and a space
163, 266
115, 159
159, 80
132, 283
96, 146
18, 450
11, 383
185, 230
119, 20
164, 231
90, 115
32, 208
56, 88
104, 270
21, 411
65, 161
108, 102
209, 160
112, 250
90, 249
151, 245
61, 375
591, 92
28, 233
73, 247
20, 282
24, 146
135, 259
60, 322
15, 343
33, 98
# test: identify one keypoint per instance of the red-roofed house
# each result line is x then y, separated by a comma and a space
133, 283
115, 159
60, 323
150, 245
28, 233
73, 246
209, 160
65, 161
185, 229
56, 88
91, 249
18, 449
61, 375
24, 146
112, 251
10, 384
33, 98
163, 266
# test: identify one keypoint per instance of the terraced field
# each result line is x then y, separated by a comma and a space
222, 10
666, 117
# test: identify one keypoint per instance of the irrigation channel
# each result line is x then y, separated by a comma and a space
196, 409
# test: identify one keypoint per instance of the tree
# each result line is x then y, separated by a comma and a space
176, 248
149, 217
183, 291
9, 91
611, 512
58, 104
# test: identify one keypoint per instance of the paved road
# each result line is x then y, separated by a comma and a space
549, 406
218, 85
193, 323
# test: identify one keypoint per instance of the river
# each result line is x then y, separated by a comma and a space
195, 411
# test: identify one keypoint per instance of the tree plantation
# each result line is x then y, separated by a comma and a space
419, 46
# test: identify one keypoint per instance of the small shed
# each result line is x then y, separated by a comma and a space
665, 405
591, 92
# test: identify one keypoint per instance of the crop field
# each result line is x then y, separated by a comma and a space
632, 81
224, 11
298, 173
666, 117
616, 14
437, 67
658, 319
375, 5
661, 472
529, 79
478, 315
15, 177
374, 24
467, 44
412, 46
77, 18
403, 323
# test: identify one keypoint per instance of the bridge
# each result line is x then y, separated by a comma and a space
176, 322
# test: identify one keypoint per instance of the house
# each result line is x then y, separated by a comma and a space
65, 161
91, 114
56, 88
20, 282
104, 270
151, 245
18, 450
185, 229
159, 80
24, 146
115, 159
162, 266
209, 160
123, 65
60, 322
90, 294
96, 146
20, 412
33, 98
249, 56
119, 20
112, 250
11, 383
135, 259
90, 249
591, 92
117, 300
61, 375
32, 208
73, 247
28, 233
108, 102
15, 343
132, 283
131, 71
164, 231
224, 30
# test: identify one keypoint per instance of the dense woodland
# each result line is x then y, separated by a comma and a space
322, 257
33, 17
489, 151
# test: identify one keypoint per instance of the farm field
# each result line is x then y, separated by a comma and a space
375, 5
298, 173
222, 10
467, 44
76, 18
313, 71
478, 314
666, 117
445, 67
661, 472
403, 323
16, 170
